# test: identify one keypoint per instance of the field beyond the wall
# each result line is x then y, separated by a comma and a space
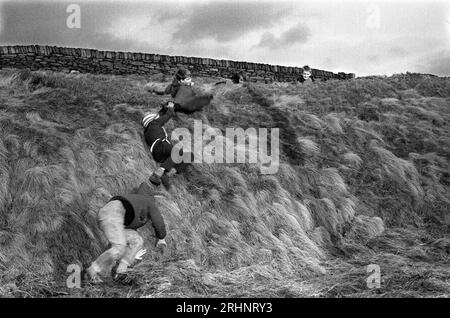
364, 179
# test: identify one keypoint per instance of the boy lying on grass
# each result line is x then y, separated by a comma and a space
119, 219
187, 98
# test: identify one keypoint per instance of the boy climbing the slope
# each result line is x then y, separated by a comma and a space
119, 219
186, 98
160, 146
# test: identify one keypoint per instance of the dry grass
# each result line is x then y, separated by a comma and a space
360, 161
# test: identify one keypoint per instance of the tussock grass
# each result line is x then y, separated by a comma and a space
309, 147
357, 157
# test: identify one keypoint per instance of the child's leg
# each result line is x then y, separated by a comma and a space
111, 218
181, 167
161, 153
134, 245
169, 165
160, 150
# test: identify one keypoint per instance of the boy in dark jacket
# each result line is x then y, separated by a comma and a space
119, 219
186, 99
160, 146
238, 77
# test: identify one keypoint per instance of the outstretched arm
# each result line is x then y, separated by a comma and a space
172, 89
157, 221
162, 119
144, 189
168, 89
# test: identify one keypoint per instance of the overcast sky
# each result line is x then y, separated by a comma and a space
364, 37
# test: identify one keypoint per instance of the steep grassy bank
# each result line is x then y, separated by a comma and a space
364, 178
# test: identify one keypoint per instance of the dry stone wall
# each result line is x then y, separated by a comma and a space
67, 59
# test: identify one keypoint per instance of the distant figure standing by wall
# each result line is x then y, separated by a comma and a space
238, 77
235, 78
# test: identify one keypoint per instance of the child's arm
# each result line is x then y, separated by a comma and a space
162, 119
172, 89
144, 189
168, 89
157, 221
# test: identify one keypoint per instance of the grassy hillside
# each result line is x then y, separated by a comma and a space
364, 179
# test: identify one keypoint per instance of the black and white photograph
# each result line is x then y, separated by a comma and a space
242, 151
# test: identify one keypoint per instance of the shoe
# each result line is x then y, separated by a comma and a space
165, 181
155, 179
92, 277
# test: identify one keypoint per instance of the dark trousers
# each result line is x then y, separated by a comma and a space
162, 153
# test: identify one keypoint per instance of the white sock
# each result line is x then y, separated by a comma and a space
160, 171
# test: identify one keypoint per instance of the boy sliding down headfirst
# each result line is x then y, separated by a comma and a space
160, 145
119, 219
186, 99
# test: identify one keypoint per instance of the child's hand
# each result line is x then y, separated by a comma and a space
140, 254
170, 104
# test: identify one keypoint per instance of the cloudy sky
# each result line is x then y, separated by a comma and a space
364, 37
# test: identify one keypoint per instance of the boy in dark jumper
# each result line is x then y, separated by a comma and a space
186, 98
160, 146
119, 219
